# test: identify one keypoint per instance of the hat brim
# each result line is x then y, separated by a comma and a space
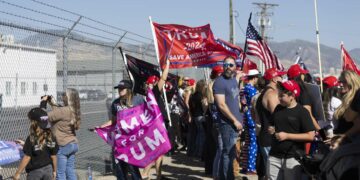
304, 71
120, 87
281, 73
250, 75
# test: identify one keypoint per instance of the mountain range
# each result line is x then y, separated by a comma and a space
286, 51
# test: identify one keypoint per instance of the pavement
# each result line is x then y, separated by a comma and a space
178, 166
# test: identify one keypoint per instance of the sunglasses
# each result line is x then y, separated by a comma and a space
228, 65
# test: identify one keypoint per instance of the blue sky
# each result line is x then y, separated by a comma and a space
292, 19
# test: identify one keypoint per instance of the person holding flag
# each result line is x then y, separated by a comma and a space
126, 100
156, 85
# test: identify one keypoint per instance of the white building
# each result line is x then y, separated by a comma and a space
26, 73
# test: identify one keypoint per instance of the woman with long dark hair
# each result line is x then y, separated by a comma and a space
330, 99
65, 121
297, 74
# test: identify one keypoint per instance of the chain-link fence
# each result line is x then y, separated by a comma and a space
46, 51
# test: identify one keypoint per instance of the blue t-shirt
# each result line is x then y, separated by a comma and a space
229, 88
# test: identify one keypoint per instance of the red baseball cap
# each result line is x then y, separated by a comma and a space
331, 81
191, 82
273, 72
295, 70
292, 86
217, 69
152, 79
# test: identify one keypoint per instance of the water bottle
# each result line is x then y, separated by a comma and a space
89, 173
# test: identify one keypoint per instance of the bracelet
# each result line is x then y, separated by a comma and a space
163, 79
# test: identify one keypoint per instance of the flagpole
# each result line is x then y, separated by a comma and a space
127, 69
318, 45
342, 54
160, 70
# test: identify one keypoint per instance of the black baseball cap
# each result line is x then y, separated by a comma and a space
124, 84
41, 116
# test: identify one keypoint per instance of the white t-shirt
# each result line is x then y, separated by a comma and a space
332, 106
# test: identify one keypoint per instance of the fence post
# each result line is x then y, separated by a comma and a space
65, 54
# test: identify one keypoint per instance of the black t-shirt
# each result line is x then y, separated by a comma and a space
355, 104
294, 120
305, 97
39, 157
195, 105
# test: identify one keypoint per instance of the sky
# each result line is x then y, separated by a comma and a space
339, 20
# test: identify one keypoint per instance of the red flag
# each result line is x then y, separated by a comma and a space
348, 62
188, 46
248, 64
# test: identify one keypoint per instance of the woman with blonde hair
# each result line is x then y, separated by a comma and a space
350, 84
65, 121
127, 99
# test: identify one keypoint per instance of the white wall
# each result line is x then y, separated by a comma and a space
26, 64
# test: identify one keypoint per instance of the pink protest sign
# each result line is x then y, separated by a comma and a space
139, 136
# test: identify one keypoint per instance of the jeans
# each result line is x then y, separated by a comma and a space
191, 141
219, 144
228, 136
200, 135
66, 162
265, 153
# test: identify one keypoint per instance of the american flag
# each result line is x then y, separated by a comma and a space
256, 46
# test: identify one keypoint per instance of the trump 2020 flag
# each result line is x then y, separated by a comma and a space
139, 135
188, 46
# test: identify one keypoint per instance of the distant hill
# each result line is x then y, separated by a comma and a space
285, 51
330, 57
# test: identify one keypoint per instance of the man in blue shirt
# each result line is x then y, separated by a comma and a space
226, 94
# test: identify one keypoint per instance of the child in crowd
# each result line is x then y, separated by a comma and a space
293, 127
40, 149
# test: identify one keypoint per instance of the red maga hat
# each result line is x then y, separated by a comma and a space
331, 81
191, 82
292, 86
295, 70
272, 72
152, 79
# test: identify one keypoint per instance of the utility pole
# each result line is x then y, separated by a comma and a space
264, 22
231, 21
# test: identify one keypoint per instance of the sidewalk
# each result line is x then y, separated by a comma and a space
179, 166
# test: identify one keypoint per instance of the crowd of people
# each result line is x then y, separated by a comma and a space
236, 123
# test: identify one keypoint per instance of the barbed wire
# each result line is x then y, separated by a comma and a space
80, 23
110, 26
